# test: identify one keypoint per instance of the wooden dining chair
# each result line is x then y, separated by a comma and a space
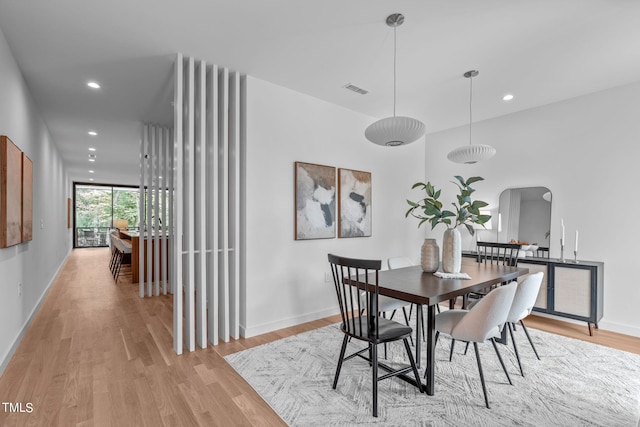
361, 319
505, 254
484, 321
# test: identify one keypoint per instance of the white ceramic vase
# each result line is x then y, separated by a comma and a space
430, 256
451, 251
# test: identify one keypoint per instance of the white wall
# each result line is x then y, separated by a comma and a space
589, 148
34, 264
285, 278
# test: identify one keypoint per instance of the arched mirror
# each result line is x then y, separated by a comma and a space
524, 217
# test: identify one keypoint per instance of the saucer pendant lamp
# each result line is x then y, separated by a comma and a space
396, 130
470, 154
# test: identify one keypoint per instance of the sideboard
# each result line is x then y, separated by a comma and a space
569, 289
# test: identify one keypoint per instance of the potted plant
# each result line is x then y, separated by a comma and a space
466, 211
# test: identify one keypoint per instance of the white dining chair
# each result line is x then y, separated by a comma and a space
522, 306
484, 321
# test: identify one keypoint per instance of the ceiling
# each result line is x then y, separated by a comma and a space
541, 51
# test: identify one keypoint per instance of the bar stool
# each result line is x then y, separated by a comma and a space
123, 247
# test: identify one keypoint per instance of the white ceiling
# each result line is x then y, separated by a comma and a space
542, 51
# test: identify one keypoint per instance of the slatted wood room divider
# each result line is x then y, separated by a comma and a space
201, 165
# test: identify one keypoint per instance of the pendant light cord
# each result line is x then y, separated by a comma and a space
394, 69
470, 109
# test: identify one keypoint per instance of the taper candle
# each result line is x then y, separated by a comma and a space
576, 247
562, 223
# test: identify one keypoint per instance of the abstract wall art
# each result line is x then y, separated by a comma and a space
354, 203
315, 201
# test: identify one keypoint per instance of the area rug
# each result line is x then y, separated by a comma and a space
575, 383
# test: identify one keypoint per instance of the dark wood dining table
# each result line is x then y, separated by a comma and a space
413, 285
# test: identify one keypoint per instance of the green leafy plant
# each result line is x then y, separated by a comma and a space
467, 211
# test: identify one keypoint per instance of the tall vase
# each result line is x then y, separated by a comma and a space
430, 256
451, 251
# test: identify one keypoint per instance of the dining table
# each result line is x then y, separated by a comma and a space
413, 285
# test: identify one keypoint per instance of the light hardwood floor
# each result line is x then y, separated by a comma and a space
97, 354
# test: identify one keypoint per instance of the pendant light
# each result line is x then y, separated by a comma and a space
469, 154
396, 130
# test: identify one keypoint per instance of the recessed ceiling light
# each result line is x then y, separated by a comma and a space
90, 171
507, 97
90, 179
92, 160
92, 133
92, 149
93, 85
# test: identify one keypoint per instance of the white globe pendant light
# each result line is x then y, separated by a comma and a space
396, 130
469, 154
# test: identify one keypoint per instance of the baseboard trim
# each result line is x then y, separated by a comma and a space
285, 323
619, 328
7, 357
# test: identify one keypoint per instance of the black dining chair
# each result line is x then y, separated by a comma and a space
356, 285
505, 254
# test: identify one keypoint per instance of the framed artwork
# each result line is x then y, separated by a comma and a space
27, 198
354, 203
10, 193
315, 201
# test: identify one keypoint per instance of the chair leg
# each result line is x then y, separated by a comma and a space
466, 348
504, 368
374, 354
413, 364
453, 342
345, 340
529, 338
484, 387
515, 348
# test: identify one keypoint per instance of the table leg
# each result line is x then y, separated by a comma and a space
431, 326
418, 332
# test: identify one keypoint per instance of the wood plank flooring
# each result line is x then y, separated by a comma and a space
97, 354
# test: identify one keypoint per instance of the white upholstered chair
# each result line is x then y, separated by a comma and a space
484, 321
522, 306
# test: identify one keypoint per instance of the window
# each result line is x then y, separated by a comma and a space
98, 207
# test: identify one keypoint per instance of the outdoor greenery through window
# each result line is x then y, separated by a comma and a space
96, 208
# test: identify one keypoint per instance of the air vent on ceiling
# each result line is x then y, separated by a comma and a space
355, 89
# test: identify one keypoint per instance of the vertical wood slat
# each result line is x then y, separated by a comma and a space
234, 204
176, 270
145, 238
223, 209
141, 204
170, 226
190, 195
212, 216
164, 172
156, 211
201, 225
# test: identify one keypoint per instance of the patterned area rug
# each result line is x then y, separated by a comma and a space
574, 384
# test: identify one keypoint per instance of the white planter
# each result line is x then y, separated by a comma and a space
451, 251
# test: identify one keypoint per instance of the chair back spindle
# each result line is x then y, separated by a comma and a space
498, 253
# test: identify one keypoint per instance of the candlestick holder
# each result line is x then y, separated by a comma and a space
562, 251
575, 257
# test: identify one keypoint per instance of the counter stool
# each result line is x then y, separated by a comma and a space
123, 247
